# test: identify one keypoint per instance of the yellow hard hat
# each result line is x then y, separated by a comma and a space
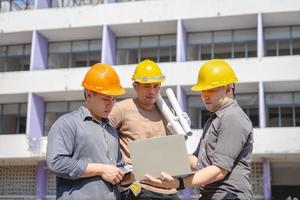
214, 73
102, 78
148, 71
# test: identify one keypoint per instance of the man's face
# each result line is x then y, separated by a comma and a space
147, 93
99, 105
214, 98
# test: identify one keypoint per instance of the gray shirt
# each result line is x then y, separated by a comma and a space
75, 140
227, 142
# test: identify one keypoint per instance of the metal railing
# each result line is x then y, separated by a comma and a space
74, 3
14, 5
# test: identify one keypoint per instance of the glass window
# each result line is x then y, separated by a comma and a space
131, 50
273, 117
197, 111
53, 110
13, 118
249, 103
14, 57
282, 109
13, 5
73, 3
74, 53
222, 44
282, 41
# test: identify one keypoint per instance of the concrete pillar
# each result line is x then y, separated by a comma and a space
260, 36
261, 105
40, 4
108, 46
36, 110
39, 52
34, 130
267, 179
182, 100
181, 42
109, 1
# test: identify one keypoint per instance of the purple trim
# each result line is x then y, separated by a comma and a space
181, 42
35, 116
41, 181
39, 4
34, 129
39, 52
109, 1
267, 179
108, 46
261, 100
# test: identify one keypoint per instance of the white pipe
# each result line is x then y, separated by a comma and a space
169, 116
186, 127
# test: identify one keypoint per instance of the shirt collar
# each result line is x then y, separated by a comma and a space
221, 110
86, 115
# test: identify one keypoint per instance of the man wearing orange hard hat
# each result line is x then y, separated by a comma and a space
223, 156
83, 149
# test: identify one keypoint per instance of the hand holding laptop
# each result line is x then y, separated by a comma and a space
166, 181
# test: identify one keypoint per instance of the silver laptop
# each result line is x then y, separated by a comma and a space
159, 154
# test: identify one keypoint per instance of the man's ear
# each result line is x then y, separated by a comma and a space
134, 85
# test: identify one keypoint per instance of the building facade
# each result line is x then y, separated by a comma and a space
46, 47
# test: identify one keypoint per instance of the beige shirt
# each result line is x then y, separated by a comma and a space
133, 123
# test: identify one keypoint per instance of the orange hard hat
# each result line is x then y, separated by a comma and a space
102, 78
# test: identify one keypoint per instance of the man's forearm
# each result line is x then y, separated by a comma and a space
205, 176
92, 169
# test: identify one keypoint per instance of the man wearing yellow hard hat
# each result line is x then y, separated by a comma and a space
140, 118
83, 149
222, 158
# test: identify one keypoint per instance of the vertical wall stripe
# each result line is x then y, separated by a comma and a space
261, 105
39, 52
260, 36
108, 46
39, 4
267, 179
34, 130
181, 42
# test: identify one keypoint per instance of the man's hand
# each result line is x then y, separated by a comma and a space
166, 181
111, 173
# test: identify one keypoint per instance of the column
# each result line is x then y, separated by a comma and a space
267, 179
36, 110
38, 4
108, 46
34, 130
260, 36
181, 42
39, 52
261, 105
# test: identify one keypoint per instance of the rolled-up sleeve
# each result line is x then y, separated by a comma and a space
232, 135
61, 142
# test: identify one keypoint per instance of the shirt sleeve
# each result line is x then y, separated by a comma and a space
61, 142
232, 136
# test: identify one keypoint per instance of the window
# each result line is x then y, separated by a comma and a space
53, 110
13, 118
131, 50
73, 3
249, 103
15, 57
74, 54
283, 109
14, 5
197, 111
280, 41
222, 44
